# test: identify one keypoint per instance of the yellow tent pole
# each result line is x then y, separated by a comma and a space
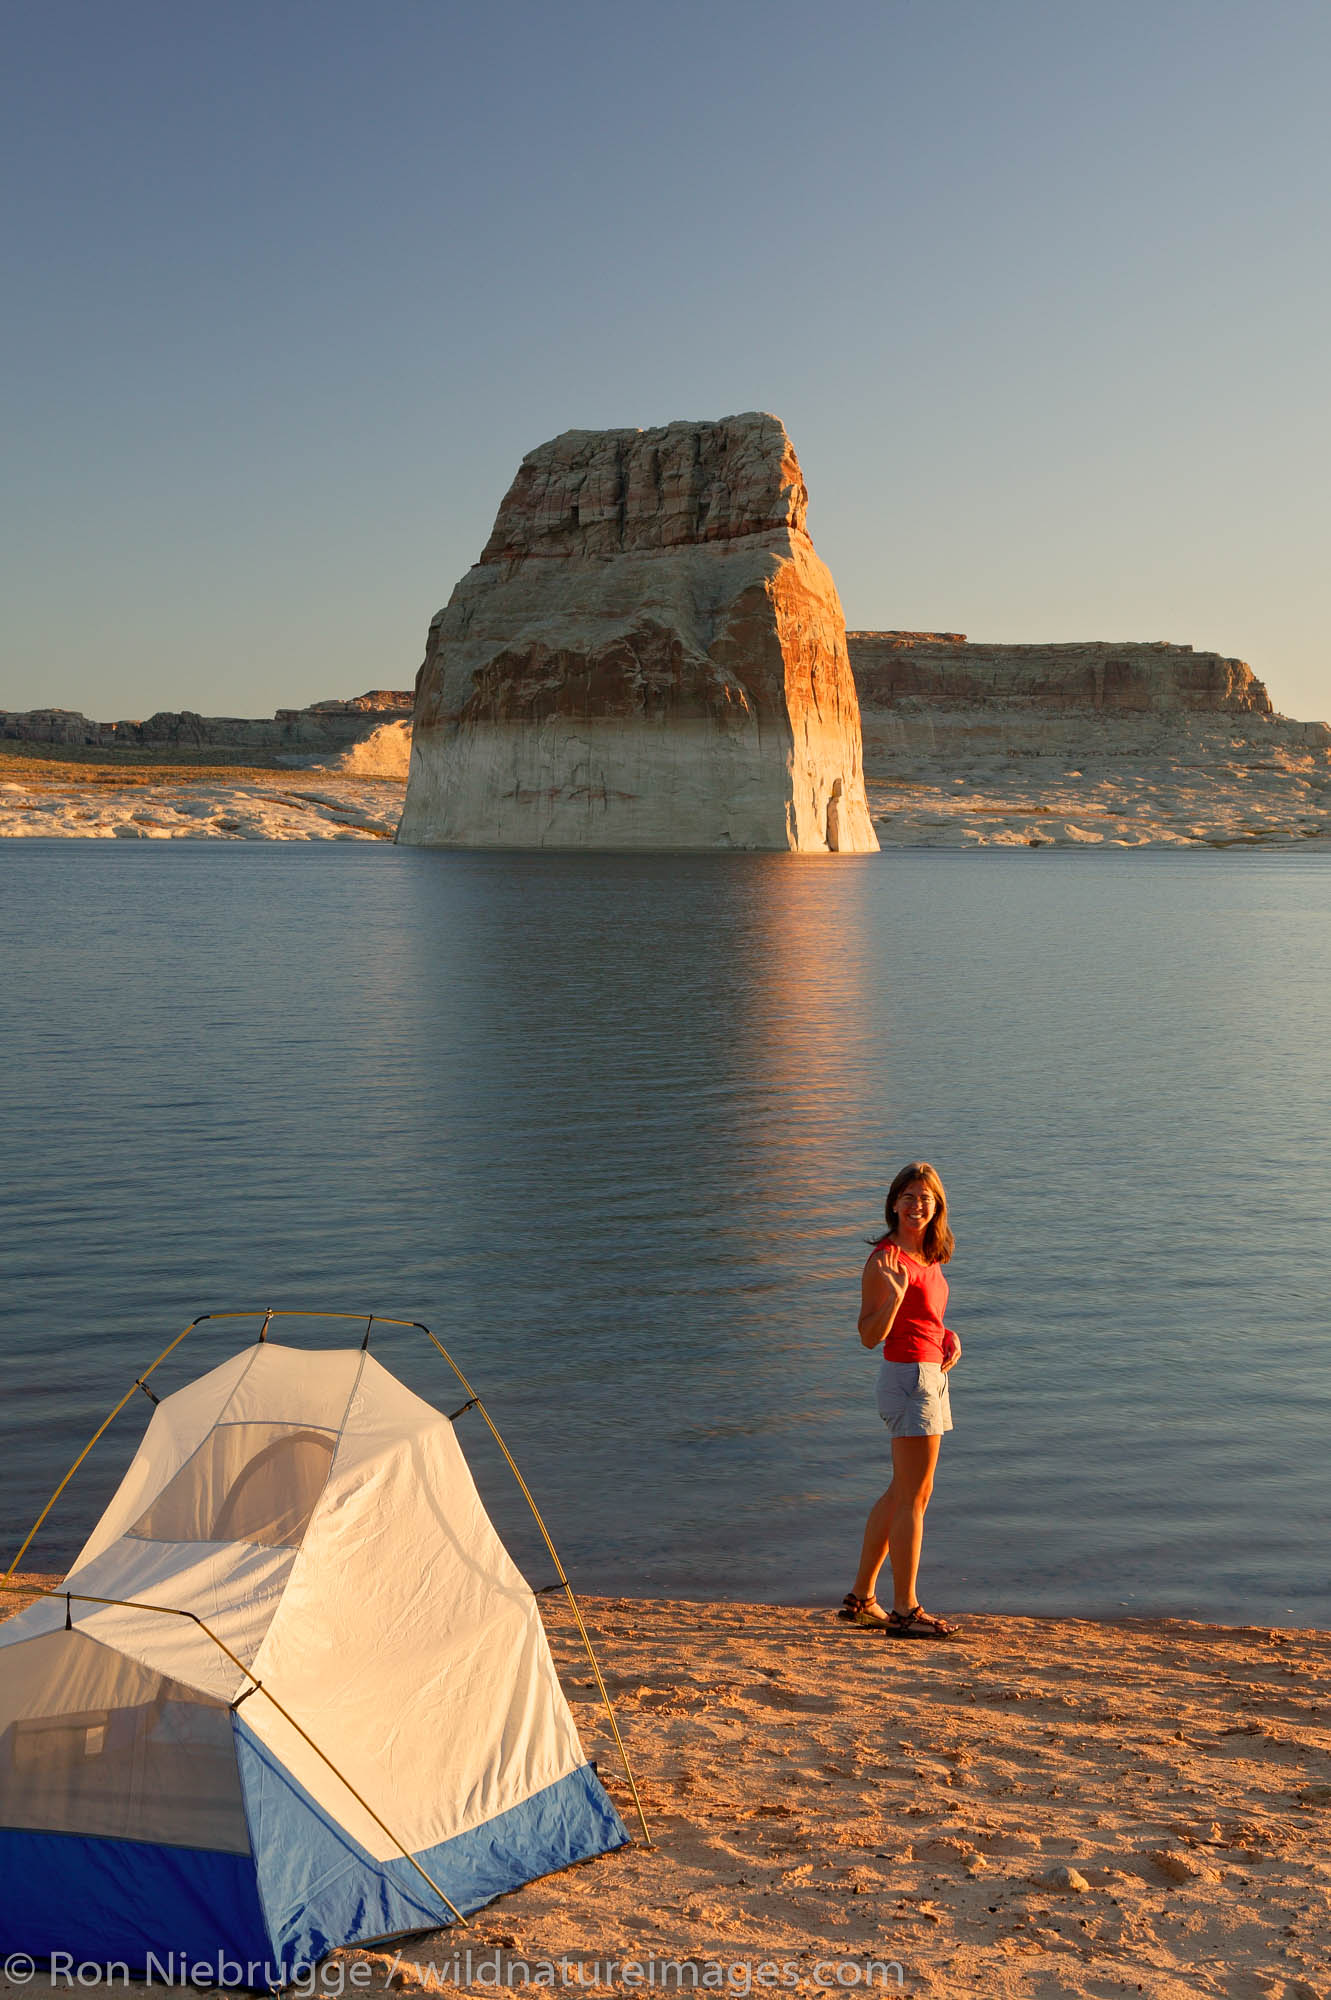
559, 1567
27, 1540
173, 1611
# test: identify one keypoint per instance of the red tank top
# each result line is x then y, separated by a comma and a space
918, 1333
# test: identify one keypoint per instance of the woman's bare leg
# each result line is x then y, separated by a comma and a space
913, 1462
877, 1530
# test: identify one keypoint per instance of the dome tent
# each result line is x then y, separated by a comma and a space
295, 1693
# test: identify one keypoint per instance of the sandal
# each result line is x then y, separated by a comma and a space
918, 1624
866, 1611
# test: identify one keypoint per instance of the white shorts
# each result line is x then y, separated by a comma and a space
913, 1398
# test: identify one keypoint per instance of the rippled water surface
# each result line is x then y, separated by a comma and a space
616, 1127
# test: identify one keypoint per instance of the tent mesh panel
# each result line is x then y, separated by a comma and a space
94, 1743
245, 1483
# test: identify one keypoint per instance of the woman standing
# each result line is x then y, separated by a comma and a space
904, 1296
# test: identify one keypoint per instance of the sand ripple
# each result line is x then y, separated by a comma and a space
1054, 1807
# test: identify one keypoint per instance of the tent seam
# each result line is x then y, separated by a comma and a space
236, 1389
236, 1726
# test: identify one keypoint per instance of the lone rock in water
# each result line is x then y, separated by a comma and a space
649, 654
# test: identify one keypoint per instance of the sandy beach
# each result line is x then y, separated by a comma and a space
1045, 1807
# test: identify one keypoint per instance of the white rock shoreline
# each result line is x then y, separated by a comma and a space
1060, 806
987, 777
176, 809
1045, 803
934, 778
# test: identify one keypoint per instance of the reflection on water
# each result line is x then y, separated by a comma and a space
618, 1126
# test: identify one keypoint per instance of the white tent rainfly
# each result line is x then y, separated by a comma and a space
294, 1693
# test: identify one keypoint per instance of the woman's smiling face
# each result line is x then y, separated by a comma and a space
916, 1205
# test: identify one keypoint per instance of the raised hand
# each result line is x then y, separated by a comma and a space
884, 1286
894, 1272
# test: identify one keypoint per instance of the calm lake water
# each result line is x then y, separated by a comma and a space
617, 1127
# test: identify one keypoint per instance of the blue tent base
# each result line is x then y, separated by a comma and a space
321, 1889
157, 1910
182, 1914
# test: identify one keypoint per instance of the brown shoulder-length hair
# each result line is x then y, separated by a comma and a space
939, 1242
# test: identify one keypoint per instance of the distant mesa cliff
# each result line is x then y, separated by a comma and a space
1124, 678
649, 654
326, 726
938, 695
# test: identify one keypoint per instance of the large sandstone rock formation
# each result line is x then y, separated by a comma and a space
649, 654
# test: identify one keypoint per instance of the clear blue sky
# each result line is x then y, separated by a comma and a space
1040, 289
